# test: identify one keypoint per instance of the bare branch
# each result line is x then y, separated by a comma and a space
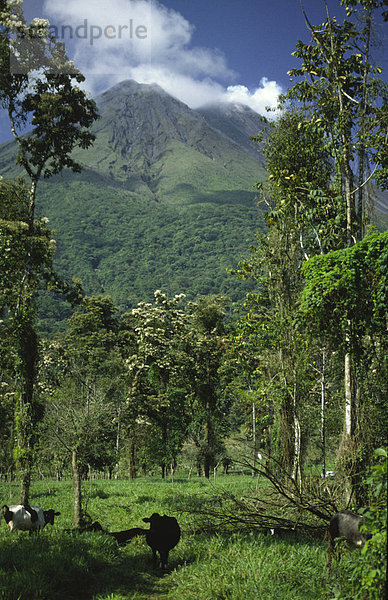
365, 182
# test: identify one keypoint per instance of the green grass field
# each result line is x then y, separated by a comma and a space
62, 565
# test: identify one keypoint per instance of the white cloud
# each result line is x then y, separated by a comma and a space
114, 40
264, 96
192, 91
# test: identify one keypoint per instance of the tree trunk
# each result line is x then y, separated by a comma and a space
208, 444
286, 438
350, 412
323, 414
27, 414
117, 445
297, 463
268, 439
347, 444
132, 461
297, 466
350, 204
285, 446
349, 419
25, 465
164, 446
26, 411
254, 438
362, 149
350, 388
77, 497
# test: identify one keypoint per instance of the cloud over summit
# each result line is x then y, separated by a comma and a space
146, 41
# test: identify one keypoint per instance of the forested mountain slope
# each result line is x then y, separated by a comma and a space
166, 199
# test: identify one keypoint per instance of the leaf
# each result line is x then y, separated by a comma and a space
380, 452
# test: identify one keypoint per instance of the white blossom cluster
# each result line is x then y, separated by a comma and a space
39, 27
159, 331
33, 48
52, 357
12, 17
5, 391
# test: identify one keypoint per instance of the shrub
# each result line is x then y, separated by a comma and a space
369, 572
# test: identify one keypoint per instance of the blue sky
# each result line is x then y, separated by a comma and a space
198, 50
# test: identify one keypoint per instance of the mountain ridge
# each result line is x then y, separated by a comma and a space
146, 123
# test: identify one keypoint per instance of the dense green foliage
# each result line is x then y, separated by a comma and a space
151, 375
350, 283
374, 554
139, 246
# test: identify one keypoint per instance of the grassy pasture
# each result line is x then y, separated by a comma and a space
63, 565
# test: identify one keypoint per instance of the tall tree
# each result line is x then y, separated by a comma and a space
310, 212
38, 85
352, 282
26, 255
17, 334
83, 379
339, 87
303, 219
343, 93
207, 426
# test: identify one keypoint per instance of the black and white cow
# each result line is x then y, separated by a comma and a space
27, 518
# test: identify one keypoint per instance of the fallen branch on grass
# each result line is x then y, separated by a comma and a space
282, 505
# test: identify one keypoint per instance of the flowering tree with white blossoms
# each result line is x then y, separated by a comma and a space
159, 382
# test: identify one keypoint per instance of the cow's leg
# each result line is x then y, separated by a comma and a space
163, 559
154, 557
330, 553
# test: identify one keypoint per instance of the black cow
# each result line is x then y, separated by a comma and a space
163, 535
345, 524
